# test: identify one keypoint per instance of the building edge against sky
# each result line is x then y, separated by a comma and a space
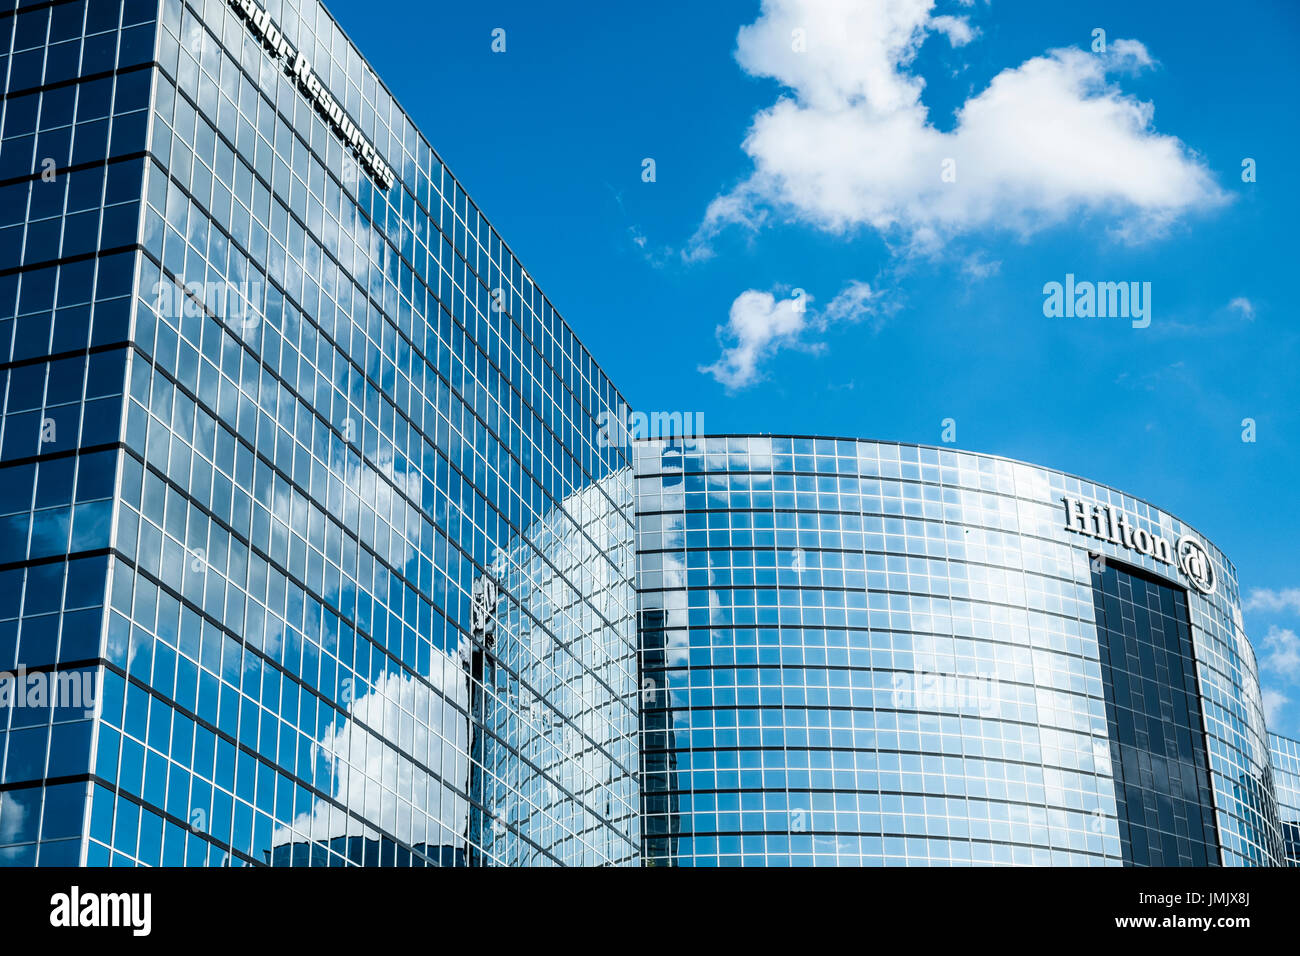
308, 485
324, 513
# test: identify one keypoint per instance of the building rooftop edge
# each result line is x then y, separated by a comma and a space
964, 451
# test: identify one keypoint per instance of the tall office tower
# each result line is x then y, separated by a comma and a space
311, 549
872, 653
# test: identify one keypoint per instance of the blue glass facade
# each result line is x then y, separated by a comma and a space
314, 550
1286, 779
303, 472
868, 653
78, 88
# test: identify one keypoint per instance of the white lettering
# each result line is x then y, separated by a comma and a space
132, 910
1114, 527
260, 22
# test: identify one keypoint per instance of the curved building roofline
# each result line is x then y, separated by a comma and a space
964, 451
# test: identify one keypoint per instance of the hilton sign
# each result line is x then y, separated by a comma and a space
1107, 524
299, 67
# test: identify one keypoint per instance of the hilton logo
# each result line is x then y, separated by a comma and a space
1107, 524
1194, 562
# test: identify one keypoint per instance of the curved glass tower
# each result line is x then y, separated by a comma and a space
1286, 779
858, 652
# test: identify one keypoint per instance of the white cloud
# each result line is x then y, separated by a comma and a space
1265, 599
1243, 307
852, 145
759, 325
978, 267
856, 302
957, 29
1281, 649
1274, 701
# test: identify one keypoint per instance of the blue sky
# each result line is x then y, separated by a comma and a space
821, 169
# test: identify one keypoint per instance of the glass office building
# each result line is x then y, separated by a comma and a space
311, 550
858, 652
316, 548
